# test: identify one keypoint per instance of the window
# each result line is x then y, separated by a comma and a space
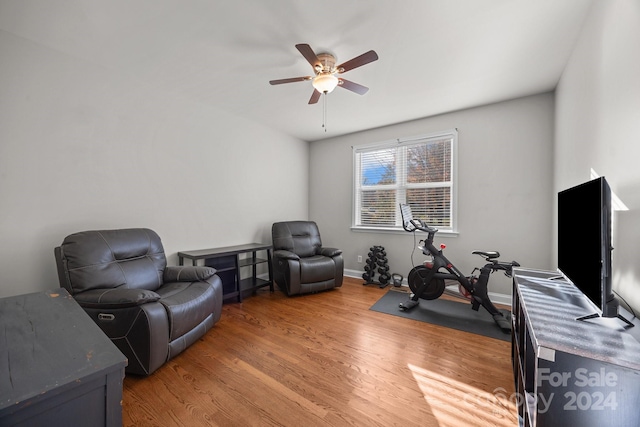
418, 171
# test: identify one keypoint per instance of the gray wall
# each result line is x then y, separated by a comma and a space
84, 147
598, 125
504, 194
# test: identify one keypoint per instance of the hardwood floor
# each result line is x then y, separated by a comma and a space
327, 360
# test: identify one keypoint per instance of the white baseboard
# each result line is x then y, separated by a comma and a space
500, 298
496, 298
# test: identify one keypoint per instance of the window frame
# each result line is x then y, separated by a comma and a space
399, 188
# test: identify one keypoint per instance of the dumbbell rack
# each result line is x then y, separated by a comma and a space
377, 262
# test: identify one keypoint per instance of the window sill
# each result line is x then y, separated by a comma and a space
394, 230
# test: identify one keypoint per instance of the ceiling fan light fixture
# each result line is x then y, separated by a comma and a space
324, 78
325, 82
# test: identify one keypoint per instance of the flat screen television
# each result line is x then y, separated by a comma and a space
584, 243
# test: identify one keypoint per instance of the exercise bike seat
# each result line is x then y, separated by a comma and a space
487, 254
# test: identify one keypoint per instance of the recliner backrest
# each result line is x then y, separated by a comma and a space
299, 237
131, 258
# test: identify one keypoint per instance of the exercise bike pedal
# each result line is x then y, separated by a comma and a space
408, 305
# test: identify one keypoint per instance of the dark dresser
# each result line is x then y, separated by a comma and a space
57, 368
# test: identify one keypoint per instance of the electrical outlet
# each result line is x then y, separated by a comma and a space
359, 258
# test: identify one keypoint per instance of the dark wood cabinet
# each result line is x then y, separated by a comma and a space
57, 368
230, 263
570, 372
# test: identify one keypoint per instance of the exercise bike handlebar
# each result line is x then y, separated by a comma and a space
419, 225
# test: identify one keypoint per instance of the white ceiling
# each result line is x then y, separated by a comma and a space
435, 55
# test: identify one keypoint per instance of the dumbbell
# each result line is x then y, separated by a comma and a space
383, 269
382, 262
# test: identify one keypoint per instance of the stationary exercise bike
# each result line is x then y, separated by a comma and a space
427, 281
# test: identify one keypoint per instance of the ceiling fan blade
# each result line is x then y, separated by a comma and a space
291, 80
353, 87
358, 61
315, 96
309, 55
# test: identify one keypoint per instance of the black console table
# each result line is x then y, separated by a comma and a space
228, 263
570, 372
57, 368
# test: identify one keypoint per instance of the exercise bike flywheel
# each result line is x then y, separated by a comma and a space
416, 278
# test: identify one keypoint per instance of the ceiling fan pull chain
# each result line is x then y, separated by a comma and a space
324, 111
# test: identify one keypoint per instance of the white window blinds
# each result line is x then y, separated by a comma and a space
418, 171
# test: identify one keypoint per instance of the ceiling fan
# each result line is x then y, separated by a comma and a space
325, 69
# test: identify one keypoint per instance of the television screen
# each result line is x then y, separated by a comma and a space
584, 242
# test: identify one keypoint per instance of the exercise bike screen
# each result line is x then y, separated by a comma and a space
407, 216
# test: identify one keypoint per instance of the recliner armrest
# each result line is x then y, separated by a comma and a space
196, 273
330, 252
115, 298
281, 253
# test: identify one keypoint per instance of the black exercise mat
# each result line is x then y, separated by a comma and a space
442, 312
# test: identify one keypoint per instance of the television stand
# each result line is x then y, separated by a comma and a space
229, 262
570, 373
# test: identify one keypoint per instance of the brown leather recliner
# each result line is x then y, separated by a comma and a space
300, 263
151, 311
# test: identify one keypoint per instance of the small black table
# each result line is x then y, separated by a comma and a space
227, 262
57, 367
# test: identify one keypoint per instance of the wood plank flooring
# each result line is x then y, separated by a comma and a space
327, 360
